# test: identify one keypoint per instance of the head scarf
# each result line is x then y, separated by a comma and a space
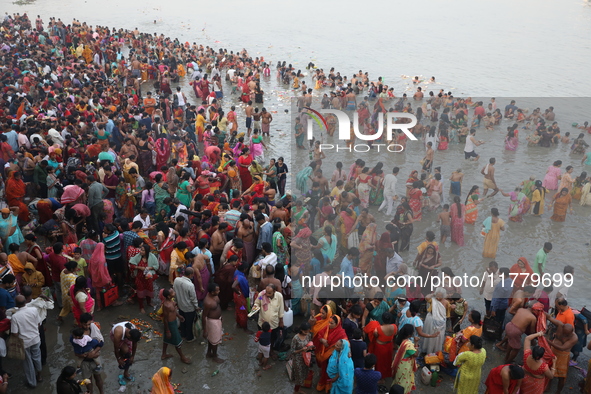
368, 238
71, 194
98, 267
520, 276
305, 232
341, 366
424, 259
161, 382
323, 323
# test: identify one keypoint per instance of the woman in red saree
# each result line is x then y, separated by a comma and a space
537, 370
381, 337
15, 192
162, 148
415, 200
244, 162
82, 302
522, 273
241, 294
327, 331
413, 177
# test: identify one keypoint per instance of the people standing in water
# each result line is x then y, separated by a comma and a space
213, 191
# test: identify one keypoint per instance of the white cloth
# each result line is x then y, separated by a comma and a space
270, 259
469, 147
393, 263
82, 341
489, 286
25, 322
42, 306
145, 223
390, 185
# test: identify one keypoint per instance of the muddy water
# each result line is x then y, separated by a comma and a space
474, 72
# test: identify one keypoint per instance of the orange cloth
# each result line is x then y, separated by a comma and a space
161, 382
567, 317
15, 192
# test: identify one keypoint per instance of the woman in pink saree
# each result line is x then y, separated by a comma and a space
458, 213
511, 140
162, 148
97, 268
82, 302
72, 194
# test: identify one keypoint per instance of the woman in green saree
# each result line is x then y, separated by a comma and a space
280, 247
160, 193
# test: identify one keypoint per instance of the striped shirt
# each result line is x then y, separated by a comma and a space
112, 246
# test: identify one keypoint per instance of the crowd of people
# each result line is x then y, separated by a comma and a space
111, 178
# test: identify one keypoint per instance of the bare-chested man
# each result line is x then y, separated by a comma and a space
561, 345
246, 233
455, 185
518, 300
136, 66
428, 159
363, 220
322, 181
489, 177
524, 322
269, 278
445, 219
172, 335
218, 241
248, 112
279, 212
212, 322
266, 119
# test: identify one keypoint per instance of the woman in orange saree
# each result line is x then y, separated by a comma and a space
472, 205
15, 192
522, 273
327, 331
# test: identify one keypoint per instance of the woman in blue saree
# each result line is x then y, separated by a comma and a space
340, 368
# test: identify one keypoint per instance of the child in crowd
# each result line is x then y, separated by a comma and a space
84, 344
263, 337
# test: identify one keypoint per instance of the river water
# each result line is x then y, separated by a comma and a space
505, 49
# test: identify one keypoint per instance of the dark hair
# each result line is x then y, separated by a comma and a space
537, 352
67, 372
476, 316
71, 265
405, 332
211, 287
370, 361
476, 341
357, 333
303, 327
516, 372
85, 318
78, 332
135, 335
356, 310
387, 318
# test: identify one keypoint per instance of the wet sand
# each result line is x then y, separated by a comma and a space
239, 374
